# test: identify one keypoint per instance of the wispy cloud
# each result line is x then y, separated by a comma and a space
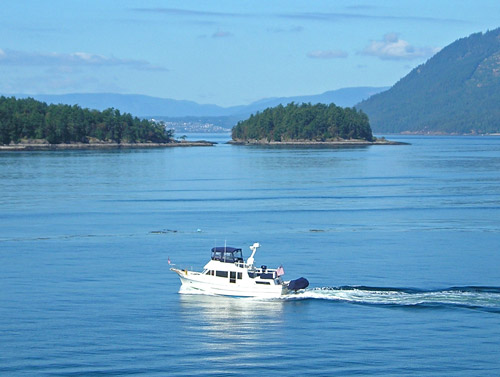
75, 59
222, 34
58, 83
292, 29
343, 16
393, 48
188, 12
327, 54
311, 16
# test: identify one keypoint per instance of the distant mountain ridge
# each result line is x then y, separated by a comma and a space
344, 97
147, 106
457, 91
136, 104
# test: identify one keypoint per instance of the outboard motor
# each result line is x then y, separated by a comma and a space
297, 284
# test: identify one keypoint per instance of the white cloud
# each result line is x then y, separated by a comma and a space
76, 59
327, 54
393, 48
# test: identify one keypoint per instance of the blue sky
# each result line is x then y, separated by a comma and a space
225, 52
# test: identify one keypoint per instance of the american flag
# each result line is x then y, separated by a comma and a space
280, 271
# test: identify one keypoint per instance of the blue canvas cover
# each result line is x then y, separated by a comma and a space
300, 283
227, 254
224, 249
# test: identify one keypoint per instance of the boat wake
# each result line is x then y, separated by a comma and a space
481, 298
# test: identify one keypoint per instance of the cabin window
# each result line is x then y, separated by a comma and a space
240, 275
267, 275
232, 277
263, 282
222, 274
217, 255
208, 272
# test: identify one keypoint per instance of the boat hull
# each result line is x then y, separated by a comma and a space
205, 284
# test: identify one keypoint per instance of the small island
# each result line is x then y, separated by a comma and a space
27, 124
307, 124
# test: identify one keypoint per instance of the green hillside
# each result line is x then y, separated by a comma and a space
304, 122
456, 91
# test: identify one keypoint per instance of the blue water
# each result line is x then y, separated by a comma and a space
401, 245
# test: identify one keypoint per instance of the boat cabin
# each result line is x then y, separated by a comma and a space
227, 254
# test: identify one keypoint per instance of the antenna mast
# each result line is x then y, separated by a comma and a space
254, 249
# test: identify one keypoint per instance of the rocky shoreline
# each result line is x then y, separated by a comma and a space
333, 143
40, 146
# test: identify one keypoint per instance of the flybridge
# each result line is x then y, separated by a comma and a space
227, 254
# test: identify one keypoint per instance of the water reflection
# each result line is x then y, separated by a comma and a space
230, 317
229, 332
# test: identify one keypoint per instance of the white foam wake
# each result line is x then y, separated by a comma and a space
466, 296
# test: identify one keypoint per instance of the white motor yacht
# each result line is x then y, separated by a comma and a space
228, 274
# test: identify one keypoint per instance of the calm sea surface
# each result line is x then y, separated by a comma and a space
401, 245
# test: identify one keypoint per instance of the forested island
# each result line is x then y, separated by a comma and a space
306, 124
31, 121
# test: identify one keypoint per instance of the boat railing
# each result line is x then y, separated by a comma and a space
240, 264
262, 269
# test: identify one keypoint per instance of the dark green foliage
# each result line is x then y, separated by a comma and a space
31, 119
456, 91
304, 122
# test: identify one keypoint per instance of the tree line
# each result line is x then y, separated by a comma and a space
318, 122
31, 119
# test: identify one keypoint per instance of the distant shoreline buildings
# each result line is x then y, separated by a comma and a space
192, 126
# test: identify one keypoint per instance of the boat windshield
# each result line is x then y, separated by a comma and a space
227, 254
